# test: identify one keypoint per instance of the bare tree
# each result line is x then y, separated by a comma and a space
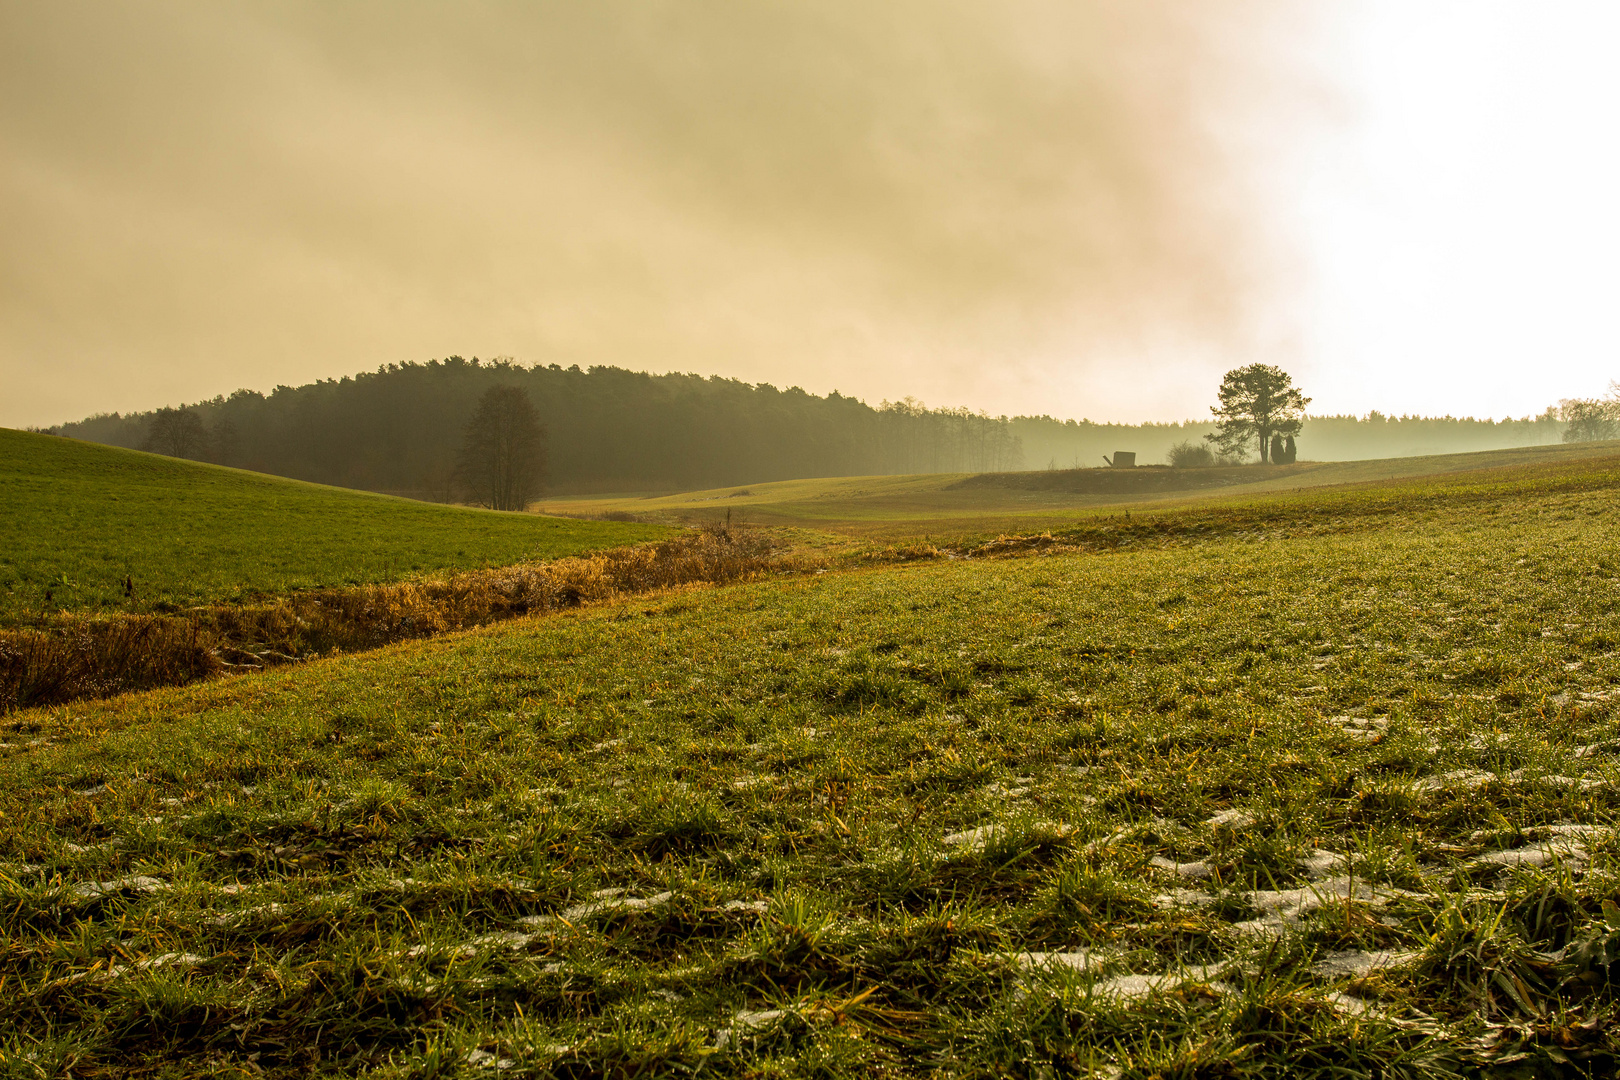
503, 450
176, 432
1257, 401
1591, 419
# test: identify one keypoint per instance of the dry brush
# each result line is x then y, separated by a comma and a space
70, 657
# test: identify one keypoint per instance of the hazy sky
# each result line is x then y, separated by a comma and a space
1076, 208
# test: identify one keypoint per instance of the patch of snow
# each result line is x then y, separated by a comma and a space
1234, 818
1594, 749
1350, 1006
1363, 729
1590, 832
510, 939
173, 959
1553, 780
1000, 791
483, 1059
1284, 908
1077, 960
1459, 780
249, 914
91, 890
1321, 863
1566, 849
1131, 987
745, 1022
1355, 963
980, 838
1192, 871
614, 903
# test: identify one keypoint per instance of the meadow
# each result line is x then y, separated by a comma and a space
79, 519
956, 505
1315, 784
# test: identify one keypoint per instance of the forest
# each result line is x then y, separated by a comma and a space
611, 430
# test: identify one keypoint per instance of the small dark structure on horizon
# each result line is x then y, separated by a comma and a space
1122, 459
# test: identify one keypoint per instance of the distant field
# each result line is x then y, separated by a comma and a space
947, 505
1315, 785
77, 518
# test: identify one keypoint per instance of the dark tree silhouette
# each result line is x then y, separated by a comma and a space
503, 450
177, 433
1257, 401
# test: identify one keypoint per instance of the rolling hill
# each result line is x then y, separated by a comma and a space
80, 518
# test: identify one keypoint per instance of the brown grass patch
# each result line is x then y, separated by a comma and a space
73, 657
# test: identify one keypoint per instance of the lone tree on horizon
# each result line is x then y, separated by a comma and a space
1257, 401
177, 433
503, 450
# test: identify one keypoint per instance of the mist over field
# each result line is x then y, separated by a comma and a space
610, 430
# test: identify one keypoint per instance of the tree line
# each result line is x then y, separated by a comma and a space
401, 428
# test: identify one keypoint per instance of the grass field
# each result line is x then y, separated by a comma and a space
949, 505
1283, 786
79, 518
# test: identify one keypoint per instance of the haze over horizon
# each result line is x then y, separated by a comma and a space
1073, 209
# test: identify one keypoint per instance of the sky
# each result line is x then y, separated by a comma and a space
1082, 208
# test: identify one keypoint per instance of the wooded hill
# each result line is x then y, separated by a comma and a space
397, 429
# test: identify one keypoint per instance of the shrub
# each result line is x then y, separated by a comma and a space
1191, 455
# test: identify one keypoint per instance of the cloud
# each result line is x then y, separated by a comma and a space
997, 204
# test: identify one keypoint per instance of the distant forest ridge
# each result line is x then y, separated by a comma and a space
610, 430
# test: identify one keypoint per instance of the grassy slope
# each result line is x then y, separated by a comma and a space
785, 759
79, 517
894, 506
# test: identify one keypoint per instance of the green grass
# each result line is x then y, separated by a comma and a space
78, 518
390, 864
894, 507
